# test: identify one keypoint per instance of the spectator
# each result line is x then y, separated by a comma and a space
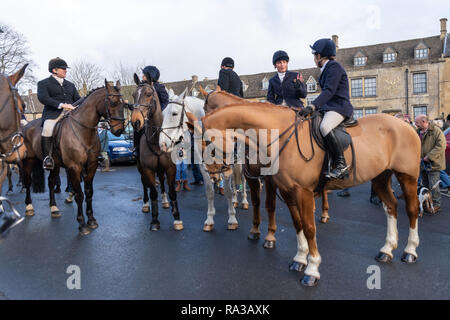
104, 142
181, 177
344, 193
433, 157
198, 177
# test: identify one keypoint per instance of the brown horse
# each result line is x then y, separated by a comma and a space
76, 148
219, 98
152, 160
384, 146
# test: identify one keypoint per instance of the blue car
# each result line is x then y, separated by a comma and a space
120, 149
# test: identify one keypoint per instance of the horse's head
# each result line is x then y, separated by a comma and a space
173, 126
217, 98
113, 111
146, 103
12, 148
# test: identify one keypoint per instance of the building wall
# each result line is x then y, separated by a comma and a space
445, 87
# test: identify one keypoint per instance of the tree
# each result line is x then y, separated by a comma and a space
85, 75
125, 74
14, 54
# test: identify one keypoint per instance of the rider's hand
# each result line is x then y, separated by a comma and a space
298, 81
306, 111
67, 106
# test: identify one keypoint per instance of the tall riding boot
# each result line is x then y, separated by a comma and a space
46, 143
339, 168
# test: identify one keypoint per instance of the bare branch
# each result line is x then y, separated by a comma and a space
85, 75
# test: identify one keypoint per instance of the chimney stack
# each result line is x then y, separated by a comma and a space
443, 28
336, 41
194, 79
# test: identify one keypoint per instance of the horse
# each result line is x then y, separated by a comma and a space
76, 148
147, 116
384, 146
175, 130
219, 98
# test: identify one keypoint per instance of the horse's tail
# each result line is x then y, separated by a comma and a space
38, 177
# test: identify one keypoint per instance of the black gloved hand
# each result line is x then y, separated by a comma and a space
306, 111
297, 84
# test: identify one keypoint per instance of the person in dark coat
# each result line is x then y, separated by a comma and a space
229, 81
56, 94
151, 75
334, 102
286, 87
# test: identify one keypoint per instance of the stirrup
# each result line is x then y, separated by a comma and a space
342, 175
48, 163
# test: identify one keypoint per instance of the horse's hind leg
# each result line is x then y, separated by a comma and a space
255, 196
208, 225
409, 188
233, 224
27, 169
383, 189
171, 174
325, 218
271, 198
89, 191
164, 201
52, 179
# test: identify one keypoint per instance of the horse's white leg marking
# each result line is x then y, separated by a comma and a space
313, 266
302, 249
229, 196
209, 188
392, 234
413, 240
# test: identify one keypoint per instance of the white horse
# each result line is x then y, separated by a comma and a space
173, 130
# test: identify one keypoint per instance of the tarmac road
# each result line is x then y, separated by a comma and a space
122, 259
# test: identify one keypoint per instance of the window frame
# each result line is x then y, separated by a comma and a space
353, 89
417, 85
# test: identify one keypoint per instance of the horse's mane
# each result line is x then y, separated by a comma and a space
225, 93
253, 105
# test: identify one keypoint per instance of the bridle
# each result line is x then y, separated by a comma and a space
180, 125
16, 138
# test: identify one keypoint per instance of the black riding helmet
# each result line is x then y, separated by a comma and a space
279, 55
57, 63
152, 73
227, 62
324, 47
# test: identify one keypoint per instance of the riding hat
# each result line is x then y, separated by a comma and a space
324, 47
152, 73
279, 55
227, 62
57, 63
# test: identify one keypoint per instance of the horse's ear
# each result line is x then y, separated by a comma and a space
191, 120
136, 79
18, 75
118, 85
202, 91
218, 88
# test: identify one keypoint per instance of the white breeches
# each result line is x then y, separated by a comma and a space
330, 121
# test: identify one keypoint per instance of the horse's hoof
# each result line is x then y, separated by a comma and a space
178, 227
92, 225
244, 207
166, 205
84, 231
309, 281
155, 227
324, 220
145, 209
253, 236
56, 214
208, 227
29, 213
297, 266
269, 244
383, 258
409, 258
233, 226
235, 205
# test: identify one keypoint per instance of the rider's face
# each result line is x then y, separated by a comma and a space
281, 65
60, 73
317, 59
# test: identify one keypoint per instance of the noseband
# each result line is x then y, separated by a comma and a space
16, 138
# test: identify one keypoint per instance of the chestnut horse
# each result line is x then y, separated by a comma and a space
384, 146
219, 98
76, 148
147, 116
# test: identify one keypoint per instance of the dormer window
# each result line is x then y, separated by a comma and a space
421, 51
265, 84
389, 56
359, 59
311, 85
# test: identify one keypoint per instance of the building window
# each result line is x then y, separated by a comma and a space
360, 61
370, 87
312, 87
358, 113
357, 87
419, 110
389, 57
370, 111
265, 84
422, 53
420, 83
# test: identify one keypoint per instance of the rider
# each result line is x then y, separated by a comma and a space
56, 94
151, 75
229, 81
286, 87
334, 102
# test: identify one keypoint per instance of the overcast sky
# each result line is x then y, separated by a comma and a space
183, 38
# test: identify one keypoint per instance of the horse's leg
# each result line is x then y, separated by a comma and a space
382, 187
305, 203
171, 175
75, 178
233, 224
325, 218
146, 206
209, 189
149, 181
10, 184
244, 202
27, 169
89, 191
409, 188
255, 197
52, 179
233, 186
271, 198
164, 201
2, 179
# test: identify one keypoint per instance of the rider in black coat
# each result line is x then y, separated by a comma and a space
229, 81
